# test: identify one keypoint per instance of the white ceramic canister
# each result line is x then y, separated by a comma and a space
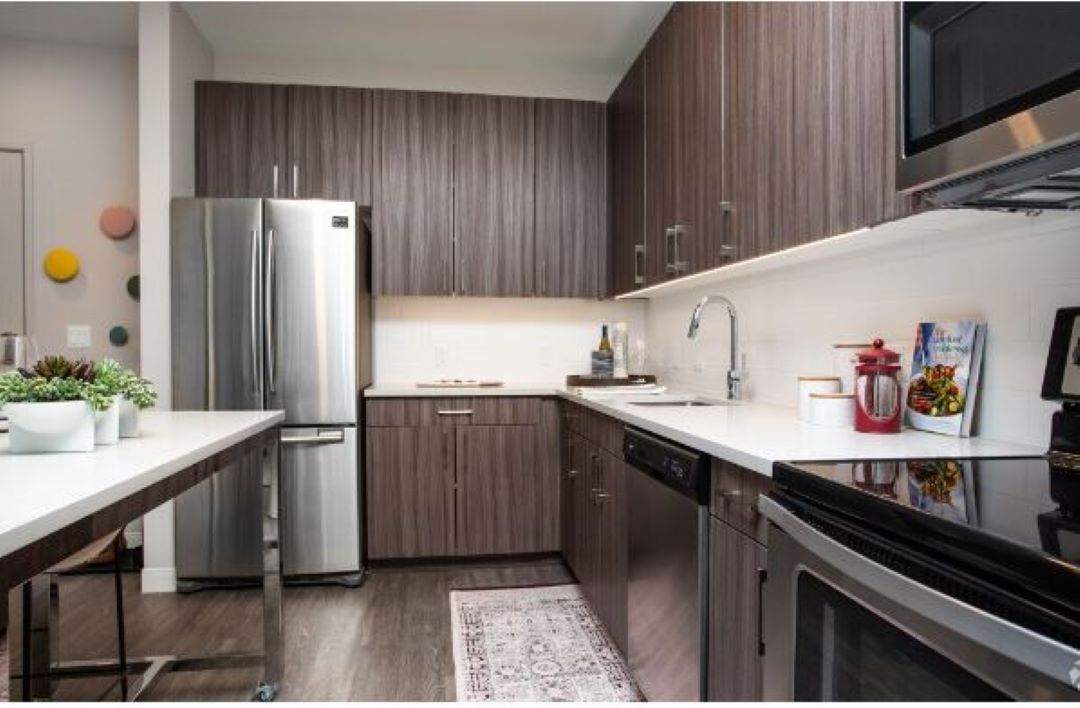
814, 384
107, 424
832, 410
844, 361
56, 426
129, 419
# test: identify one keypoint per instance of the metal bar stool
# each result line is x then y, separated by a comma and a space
40, 628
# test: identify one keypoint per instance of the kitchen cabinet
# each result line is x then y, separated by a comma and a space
329, 143
862, 117
462, 477
409, 494
685, 196
570, 204
412, 193
626, 138
736, 573
241, 144
595, 548
777, 80
494, 201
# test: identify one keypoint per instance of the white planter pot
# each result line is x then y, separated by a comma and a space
107, 424
129, 419
60, 426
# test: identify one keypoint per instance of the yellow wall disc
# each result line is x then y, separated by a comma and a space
61, 265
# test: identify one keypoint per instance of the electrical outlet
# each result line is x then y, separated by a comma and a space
78, 336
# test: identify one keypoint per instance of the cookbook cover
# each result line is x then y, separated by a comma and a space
945, 369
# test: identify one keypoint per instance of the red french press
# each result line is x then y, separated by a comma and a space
878, 406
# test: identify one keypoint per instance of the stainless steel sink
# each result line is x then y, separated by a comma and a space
691, 403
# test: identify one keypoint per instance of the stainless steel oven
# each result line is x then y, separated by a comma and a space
854, 611
985, 88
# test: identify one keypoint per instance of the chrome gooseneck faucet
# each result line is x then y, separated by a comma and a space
736, 374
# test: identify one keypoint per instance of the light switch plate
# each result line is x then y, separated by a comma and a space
78, 336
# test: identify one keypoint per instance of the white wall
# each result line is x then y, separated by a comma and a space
513, 82
1010, 271
509, 339
172, 56
76, 107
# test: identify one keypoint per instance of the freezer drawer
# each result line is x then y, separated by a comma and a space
219, 524
320, 524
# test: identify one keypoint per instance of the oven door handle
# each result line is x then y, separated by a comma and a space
1043, 655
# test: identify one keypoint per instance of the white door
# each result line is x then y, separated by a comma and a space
12, 243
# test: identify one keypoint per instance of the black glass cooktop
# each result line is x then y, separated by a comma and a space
1016, 520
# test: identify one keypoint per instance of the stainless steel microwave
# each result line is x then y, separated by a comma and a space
989, 103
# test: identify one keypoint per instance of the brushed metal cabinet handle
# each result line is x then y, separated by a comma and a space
464, 411
726, 249
295, 180
275, 181
669, 247
639, 264
679, 265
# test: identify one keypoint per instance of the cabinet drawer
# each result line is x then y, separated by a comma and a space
396, 412
601, 430
734, 497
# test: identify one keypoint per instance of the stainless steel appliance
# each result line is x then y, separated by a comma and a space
667, 496
930, 579
989, 103
271, 310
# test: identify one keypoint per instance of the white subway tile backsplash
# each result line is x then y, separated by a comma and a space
1012, 271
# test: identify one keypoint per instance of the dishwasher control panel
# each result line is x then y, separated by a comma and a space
682, 469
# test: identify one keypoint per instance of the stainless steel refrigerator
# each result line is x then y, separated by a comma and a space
271, 309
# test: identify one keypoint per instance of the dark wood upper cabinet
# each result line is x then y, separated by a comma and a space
241, 146
494, 178
329, 143
570, 204
626, 140
412, 193
685, 199
862, 122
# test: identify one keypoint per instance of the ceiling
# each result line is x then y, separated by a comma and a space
598, 38
114, 24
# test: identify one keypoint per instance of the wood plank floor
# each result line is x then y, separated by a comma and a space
386, 640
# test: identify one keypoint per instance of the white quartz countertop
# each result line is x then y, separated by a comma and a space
407, 390
755, 435
40, 494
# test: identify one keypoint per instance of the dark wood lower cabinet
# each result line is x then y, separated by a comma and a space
736, 572
410, 492
462, 477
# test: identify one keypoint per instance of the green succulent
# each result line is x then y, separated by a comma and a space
16, 387
115, 380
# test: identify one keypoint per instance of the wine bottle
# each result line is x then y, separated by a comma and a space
605, 343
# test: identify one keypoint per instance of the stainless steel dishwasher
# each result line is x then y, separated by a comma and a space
667, 497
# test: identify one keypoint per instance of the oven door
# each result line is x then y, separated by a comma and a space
840, 627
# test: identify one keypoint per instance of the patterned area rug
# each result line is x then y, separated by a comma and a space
534, 644
3, 668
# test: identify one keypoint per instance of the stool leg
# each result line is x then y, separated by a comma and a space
39, 611
121, 641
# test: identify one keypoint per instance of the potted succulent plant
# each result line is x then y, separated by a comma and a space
134, 394
51, 407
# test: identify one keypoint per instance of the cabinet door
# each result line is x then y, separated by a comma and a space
494, 178
736, 571
241, 147
862, 121
412, 193
571, 163
572, 480
626, 137
506, 496
662, 139
612, 554
410, 492
777, 70
330, 143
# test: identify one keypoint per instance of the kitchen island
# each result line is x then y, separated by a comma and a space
56, 504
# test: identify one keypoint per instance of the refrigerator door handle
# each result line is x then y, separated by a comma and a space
270, 310
255, 377
322, 437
